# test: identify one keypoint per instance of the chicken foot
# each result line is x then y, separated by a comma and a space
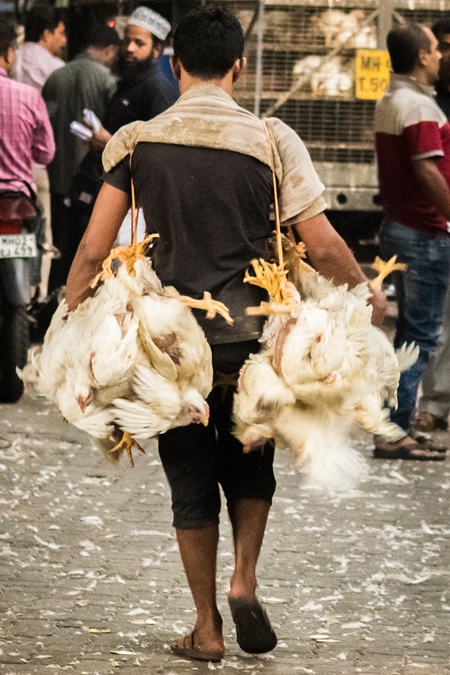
384, 269
211, 307
294, 254
269, 308
125, 254
126, 444
272, 278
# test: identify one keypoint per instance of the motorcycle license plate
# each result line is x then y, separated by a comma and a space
18, 246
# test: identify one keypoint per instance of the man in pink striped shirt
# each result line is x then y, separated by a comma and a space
26, 134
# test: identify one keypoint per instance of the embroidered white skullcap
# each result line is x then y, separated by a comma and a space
151, 21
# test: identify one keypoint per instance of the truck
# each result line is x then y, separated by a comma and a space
320, 66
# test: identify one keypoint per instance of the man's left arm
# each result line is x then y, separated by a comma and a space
331, 257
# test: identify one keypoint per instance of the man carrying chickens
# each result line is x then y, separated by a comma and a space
202, 175
413, 150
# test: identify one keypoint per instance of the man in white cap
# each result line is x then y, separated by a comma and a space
142, 92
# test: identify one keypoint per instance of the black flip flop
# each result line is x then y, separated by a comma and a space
254, 633
406, 451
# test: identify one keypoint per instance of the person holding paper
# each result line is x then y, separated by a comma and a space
85, 82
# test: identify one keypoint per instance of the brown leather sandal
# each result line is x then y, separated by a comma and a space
426, 421
185, 647
409, 451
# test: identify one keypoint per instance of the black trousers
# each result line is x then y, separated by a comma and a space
197, 459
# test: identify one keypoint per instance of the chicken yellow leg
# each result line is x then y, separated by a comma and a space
125, 254
211, 307
384, 269
126, 444
272, 278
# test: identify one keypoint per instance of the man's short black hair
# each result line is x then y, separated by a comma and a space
38, 19
441, 28
208, 41
8, 36
101, 36
404, 43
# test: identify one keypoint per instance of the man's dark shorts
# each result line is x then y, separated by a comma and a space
197, 459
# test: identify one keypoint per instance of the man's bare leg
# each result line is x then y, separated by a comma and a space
198, 549
254, 633
248, 519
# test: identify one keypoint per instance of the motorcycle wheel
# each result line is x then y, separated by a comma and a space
14, 343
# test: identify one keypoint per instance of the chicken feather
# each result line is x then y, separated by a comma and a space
324, 370
129, 361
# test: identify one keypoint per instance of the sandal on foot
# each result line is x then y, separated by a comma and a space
426, 421
254, 633
185, 647
411, 451
426, 442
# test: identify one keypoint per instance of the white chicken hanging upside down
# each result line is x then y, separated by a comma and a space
323, 369
131, 361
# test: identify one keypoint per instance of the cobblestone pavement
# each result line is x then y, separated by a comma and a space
91, 581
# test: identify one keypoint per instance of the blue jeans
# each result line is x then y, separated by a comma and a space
421, 291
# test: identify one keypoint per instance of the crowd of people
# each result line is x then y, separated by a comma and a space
118, 85
204, 183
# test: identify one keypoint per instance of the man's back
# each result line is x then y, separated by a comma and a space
202, 175
211, 210
26, 132
82, 83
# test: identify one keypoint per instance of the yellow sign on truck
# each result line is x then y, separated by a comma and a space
372, 72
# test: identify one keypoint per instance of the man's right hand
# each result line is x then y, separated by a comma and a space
99, 139
379, 306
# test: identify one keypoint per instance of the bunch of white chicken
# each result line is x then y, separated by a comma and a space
129, 362
339, 28
323, 370
332, 77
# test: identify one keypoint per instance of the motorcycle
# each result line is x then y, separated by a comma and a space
19, 215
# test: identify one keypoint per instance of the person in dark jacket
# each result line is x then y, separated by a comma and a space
84, 82
143, 92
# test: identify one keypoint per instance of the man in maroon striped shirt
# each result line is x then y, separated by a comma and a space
412, 138
26, 134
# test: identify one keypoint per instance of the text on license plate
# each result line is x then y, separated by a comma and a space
18, 246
